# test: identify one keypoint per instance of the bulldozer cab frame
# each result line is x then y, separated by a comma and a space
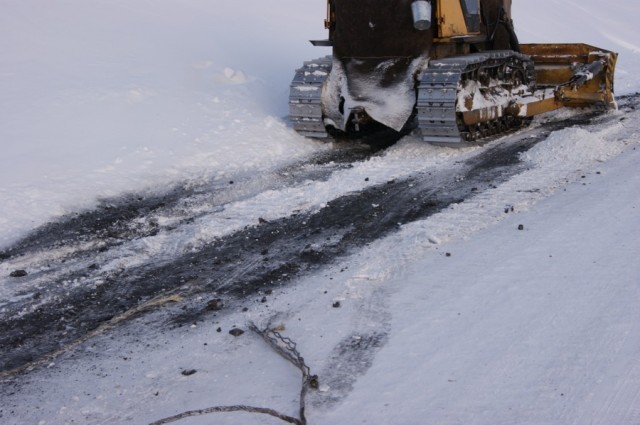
457, 18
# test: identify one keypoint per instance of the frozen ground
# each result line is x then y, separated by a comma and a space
528, 326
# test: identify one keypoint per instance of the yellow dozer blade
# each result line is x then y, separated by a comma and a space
579, 75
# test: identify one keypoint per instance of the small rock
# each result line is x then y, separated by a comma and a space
448, 254
366, 179
336, 304
231, 182
262, 220
236, 332
18, 273
245, 309
188, 372
219, 330
215, 305
521, 227
263, 300
314, 382
280, 328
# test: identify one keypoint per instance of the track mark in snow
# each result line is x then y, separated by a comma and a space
257, 257
353, 356
262, 256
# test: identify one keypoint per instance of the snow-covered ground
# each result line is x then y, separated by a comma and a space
533, 326
100, 97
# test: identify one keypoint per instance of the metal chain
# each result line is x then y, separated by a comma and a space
286, 348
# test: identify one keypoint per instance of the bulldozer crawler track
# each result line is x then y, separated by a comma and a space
305, 104
439, 118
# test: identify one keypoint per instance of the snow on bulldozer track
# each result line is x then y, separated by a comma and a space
145, 287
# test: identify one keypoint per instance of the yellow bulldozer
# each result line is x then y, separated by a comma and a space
451, 70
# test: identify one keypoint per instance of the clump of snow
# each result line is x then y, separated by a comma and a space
391, 105
232, 76
573, 146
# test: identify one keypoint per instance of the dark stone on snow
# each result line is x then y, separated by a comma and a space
236, 332
219, 330
448, 254
314, 382
336, 304
262, 220
263, 300
215, 305
18, 273
521, 227
188, 372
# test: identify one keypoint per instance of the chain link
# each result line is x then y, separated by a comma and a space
288, 349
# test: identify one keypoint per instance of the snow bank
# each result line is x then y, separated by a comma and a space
575, 146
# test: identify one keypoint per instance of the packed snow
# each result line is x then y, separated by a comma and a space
458, 318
